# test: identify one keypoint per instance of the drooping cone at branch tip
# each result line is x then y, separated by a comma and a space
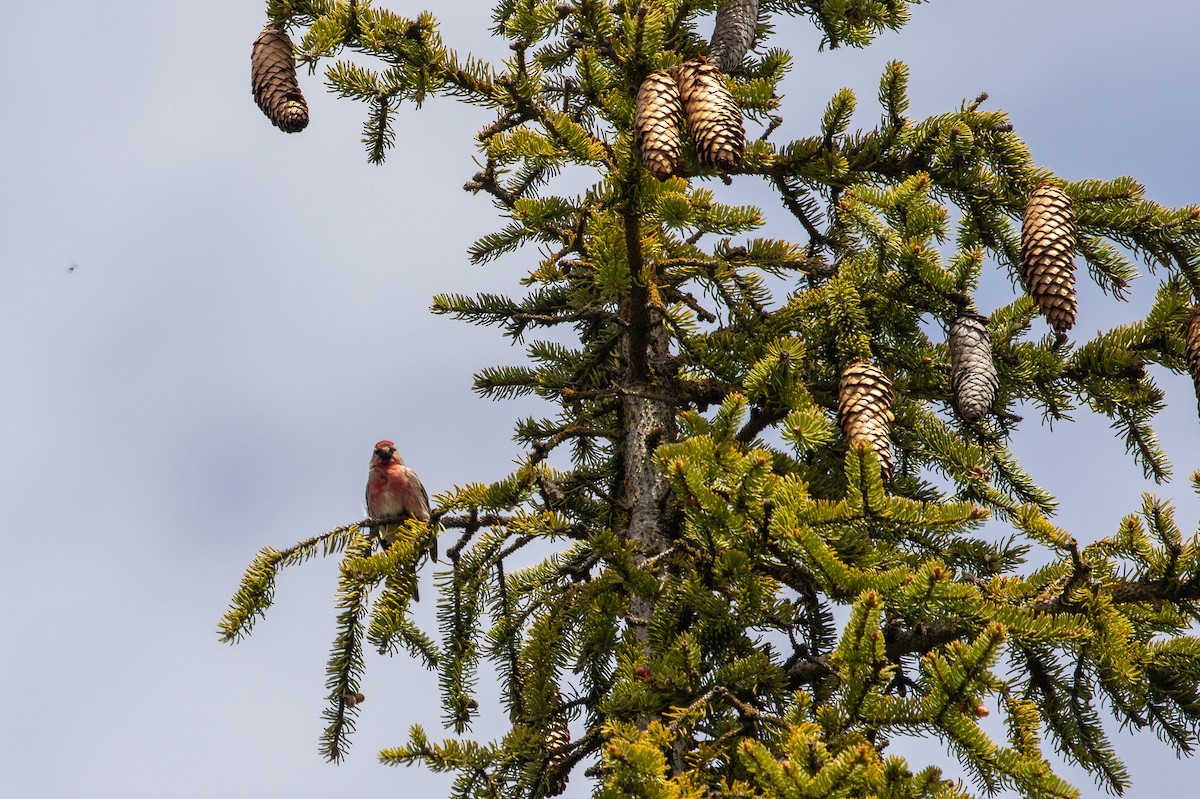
714, 120
733, 33
1048, 255
972, 370
656, 123
1193, 350
558, 738
273, 78
865, 411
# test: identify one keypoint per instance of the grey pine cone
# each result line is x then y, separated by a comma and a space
972, 370
273, 78
733, 33
865, 411
656, 123
558, 738
714, 120
1192, 339
1048, 255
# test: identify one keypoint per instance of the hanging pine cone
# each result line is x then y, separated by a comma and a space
1048, 255
558, 738
714, 121
865, 411
972, 371
273, 78
656, 123
1193, 349
733, 33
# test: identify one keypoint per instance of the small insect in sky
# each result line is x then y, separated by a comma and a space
72, 267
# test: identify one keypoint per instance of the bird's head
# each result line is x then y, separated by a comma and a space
385, 451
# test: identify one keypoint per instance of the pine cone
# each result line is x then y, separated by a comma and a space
733, 33
713, 118
656, 123
865, 411
1193, 349
273, 78
558, 738
1048, 255
972, 371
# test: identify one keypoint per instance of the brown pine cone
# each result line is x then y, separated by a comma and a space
865, 411
656, 123
558, 738
713, 118
1192, 339
733, 33
273, 78
972, 371
1048, 255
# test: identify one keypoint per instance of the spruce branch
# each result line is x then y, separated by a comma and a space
345, 668
516, 693
256, 592
379, 136
802, 210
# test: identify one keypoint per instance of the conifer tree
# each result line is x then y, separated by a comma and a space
759, 501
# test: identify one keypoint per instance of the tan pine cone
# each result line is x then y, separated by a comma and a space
733, 33
273, 78
972, 370
656, 123
865, 411
558, 738
1192, 339
1048, 255
714, 120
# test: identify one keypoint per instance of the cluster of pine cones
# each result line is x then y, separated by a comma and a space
865, 394
1048, 272
693, 92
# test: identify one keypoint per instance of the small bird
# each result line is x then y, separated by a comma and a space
394, 490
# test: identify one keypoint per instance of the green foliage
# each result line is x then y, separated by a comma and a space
721, 595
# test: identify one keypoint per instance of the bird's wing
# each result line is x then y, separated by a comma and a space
424, 494
433, 542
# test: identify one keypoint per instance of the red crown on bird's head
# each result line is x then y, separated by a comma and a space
385, 452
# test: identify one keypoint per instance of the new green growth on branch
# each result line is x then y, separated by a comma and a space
774, 519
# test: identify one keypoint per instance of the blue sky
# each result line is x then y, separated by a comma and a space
247, 314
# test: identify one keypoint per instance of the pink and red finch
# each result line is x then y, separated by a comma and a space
393, 490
